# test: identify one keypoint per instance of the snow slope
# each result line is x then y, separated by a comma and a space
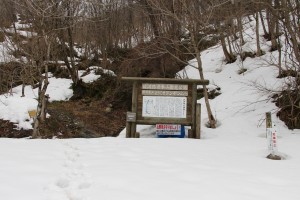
227, 163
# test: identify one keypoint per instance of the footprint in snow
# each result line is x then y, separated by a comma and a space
74, 177
62, 183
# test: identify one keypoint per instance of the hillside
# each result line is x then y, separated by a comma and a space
229, 162
86, 47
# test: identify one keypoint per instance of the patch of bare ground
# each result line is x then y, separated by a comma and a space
74, 119
8, 129
84, 119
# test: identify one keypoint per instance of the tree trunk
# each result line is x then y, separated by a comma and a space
271, 24
74, 71
258, 51
151, 15
229, 45
45, 97
23, 88
229, 57
279, 59
40, 111
212, 121
240, 27
263, 24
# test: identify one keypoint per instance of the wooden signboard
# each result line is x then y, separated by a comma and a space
164, 101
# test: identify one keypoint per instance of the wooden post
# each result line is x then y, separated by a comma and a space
128, 129
134, 107
198, 121
194, 102
190, 133
137, 134
268, 121
130, 118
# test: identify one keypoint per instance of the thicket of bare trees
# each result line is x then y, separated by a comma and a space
287, 23
106, 30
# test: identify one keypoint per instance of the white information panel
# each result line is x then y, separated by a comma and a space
163, 106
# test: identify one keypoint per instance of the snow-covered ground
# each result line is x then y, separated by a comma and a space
222, 166
227, 163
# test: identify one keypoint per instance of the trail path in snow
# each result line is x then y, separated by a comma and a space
74, 180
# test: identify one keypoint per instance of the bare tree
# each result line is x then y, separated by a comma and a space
193, 17
41, 14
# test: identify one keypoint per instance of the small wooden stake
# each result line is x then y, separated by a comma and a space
268, 121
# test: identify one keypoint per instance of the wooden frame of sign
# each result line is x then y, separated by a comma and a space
164, 101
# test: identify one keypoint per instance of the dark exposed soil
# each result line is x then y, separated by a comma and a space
74, 119
274, 157
8, 129
86, 119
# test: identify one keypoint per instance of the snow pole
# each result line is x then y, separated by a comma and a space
271, 134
